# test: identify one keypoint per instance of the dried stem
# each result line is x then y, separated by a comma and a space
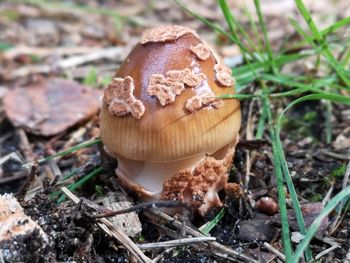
193, 232
112, 230
176, 242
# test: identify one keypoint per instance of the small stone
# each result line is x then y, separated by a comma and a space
14, 222
128, 222
260, 228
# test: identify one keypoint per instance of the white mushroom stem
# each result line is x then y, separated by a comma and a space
196, 180
151, 175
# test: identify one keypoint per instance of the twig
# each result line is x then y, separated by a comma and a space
23, 190
145, 205
25, 146
224, 256
249, 136
11, 156
328, 195
176, 242
215, 245
43, 52
108, 53
274, 251
252, 144
325, 252
13, 177
112, 230
347, 174
76, 136
335, 155
171, 234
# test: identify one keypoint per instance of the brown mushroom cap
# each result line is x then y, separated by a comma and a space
170, 132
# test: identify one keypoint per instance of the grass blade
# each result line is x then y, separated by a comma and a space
319, 40
234, 25
317, 222
252, 25
213, 222
214, 27
65, 152
287, 246
267, 41
80, 182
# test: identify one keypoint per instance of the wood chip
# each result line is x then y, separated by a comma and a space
14, 222
128, 222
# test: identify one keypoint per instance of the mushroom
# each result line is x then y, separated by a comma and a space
161, 118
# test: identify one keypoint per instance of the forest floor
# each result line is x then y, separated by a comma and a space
53, 52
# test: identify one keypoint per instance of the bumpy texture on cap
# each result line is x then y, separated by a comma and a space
168, 129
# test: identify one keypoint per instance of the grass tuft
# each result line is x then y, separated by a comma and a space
262, 68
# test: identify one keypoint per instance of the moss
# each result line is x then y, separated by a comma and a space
301, 126
99, 190
339, 171
316, 197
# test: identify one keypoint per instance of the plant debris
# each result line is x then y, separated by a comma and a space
51, 106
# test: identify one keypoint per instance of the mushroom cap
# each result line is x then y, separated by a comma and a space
170, 132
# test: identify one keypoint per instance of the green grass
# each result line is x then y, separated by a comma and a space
81, 182
206, 230
262, 67
91, 78
67, 151
339, 171
344, 194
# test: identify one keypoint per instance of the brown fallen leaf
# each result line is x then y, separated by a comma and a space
256, 229
51, 106
310, 212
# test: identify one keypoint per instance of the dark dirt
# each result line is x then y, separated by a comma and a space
72, 234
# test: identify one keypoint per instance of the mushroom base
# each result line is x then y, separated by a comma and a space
196, 180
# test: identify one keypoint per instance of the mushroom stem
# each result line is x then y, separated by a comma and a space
151, 175
196, 180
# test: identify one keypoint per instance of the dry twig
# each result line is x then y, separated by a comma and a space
111, 230
215, 245
146, 205
176, 242
47, 51
107, 53
326, 251
274, 251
